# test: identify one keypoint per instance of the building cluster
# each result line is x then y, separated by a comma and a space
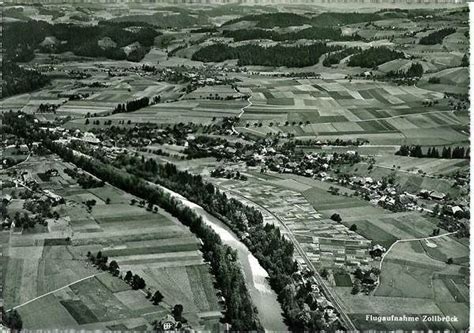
305, 280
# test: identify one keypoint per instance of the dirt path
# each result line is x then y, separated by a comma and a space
242, 111
53, 291
402, 241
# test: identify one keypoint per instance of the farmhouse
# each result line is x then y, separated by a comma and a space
52, 196
437, 196
167, 323
6, 198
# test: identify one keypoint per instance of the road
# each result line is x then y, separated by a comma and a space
18, 164
402, 241
242, 111
346, 321
53, 291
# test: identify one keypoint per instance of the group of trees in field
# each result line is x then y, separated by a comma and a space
12, 320
333, 58
86, 181
465, 60
313, 33
289, 56
414, 71
18, 80
433, 152
374, 56
134, 280
436, 37
25, 221
131, 106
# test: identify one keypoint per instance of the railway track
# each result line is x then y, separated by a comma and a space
345, 320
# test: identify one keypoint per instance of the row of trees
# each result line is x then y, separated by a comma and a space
433, 152
289, 56
131, 106
134, 280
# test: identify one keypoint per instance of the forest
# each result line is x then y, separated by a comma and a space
282, 20
289, 56
314, 33
433, 152
414, 71
334, 58
374, 56
17, 80
81, 40
273, 20
436, 37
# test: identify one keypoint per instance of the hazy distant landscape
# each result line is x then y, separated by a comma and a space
238, 167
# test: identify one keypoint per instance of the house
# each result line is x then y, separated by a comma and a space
54, 197
424, 194
24, 148
456, 210
377, 250
437, 196
90, 138
52, 173
370, 281
6, 198
167, 323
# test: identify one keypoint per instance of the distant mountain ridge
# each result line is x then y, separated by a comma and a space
250, 2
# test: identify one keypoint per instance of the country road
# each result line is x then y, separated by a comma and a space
403, 241
53, 291
242, 111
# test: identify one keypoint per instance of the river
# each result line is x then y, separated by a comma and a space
263, 297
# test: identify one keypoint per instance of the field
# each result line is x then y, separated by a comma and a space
410, 271
154, 245
197, 111
416, 280
324, 108
101, 93
89, 302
